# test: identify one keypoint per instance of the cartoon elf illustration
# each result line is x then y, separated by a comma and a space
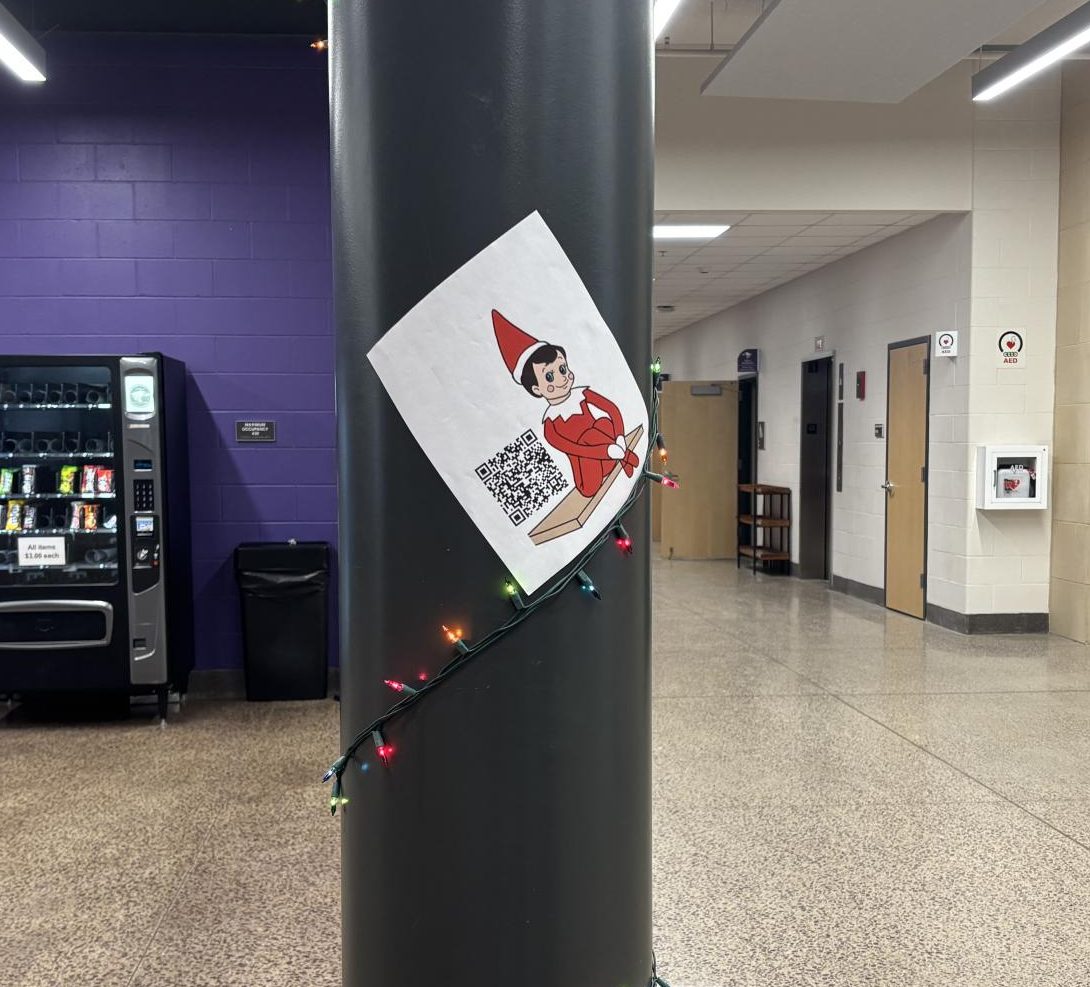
578, 421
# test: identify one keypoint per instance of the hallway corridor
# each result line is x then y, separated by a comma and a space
847, 796
843, 796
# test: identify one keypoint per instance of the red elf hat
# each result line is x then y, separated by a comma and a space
516, 346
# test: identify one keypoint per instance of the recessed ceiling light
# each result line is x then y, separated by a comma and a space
1054, 43
664, 10
18, 50
691, 231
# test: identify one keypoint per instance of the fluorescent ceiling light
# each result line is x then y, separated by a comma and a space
19, 51
664, 10
692, 231
1054, 43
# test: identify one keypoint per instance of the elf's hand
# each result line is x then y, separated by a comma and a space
617, 451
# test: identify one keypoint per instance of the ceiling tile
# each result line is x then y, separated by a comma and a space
752, 259
864, 218
862, 50
784, 218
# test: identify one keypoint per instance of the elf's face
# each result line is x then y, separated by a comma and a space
554, 380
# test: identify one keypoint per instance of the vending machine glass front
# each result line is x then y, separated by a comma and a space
58, 485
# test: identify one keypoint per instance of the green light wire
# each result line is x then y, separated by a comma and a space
459, 661
337, 768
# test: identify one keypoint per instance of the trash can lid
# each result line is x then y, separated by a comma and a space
280, 556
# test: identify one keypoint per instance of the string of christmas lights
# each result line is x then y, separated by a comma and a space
464, 651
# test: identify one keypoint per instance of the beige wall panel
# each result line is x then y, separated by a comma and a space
1069, 593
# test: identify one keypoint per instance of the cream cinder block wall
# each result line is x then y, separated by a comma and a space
908, 286
1016, 175
982, 273
1070, 601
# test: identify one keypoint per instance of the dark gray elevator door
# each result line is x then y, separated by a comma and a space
815, 459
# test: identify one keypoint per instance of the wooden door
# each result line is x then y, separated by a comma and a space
906, 477
700, 425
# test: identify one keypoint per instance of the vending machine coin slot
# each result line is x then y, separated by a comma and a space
145, 551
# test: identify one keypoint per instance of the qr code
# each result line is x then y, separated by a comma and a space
522, 477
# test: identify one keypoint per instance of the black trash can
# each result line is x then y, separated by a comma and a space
285, 618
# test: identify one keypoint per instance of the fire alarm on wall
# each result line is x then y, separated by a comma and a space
861, 384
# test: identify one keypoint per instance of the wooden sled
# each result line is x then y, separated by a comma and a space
572, 512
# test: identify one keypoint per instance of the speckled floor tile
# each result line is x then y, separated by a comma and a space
824, 813
945, 666
936, 895
1069, 816
794, 749
1028, 746
261, 905
88, 868
692, 657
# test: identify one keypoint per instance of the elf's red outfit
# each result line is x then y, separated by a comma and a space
590, 430
585, 426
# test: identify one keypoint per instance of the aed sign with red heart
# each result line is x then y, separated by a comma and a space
1010, 348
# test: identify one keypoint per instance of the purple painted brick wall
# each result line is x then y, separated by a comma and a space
173, 195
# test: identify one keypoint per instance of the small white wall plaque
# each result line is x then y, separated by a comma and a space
946, 343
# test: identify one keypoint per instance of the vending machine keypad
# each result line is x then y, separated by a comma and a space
143, 495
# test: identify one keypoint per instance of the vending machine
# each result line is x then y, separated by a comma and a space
96, 588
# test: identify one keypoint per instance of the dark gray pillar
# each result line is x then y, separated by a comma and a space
509, 843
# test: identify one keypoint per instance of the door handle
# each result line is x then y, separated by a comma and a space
888, 487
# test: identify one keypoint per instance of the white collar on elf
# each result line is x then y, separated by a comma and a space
571, 405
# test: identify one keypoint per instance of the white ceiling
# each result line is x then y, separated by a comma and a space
760, 251
874, 51
1033, 23
697, 22
700, 23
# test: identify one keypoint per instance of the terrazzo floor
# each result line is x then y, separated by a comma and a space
865, 799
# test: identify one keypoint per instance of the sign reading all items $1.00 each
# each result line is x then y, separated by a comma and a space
41, 552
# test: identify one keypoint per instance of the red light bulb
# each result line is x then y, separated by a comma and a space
396, 686
384, 750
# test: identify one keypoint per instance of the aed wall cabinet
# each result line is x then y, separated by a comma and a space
1012, 478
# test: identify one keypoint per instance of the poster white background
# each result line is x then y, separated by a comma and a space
444, 371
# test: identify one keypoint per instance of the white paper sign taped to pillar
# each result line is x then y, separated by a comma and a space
518, 393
